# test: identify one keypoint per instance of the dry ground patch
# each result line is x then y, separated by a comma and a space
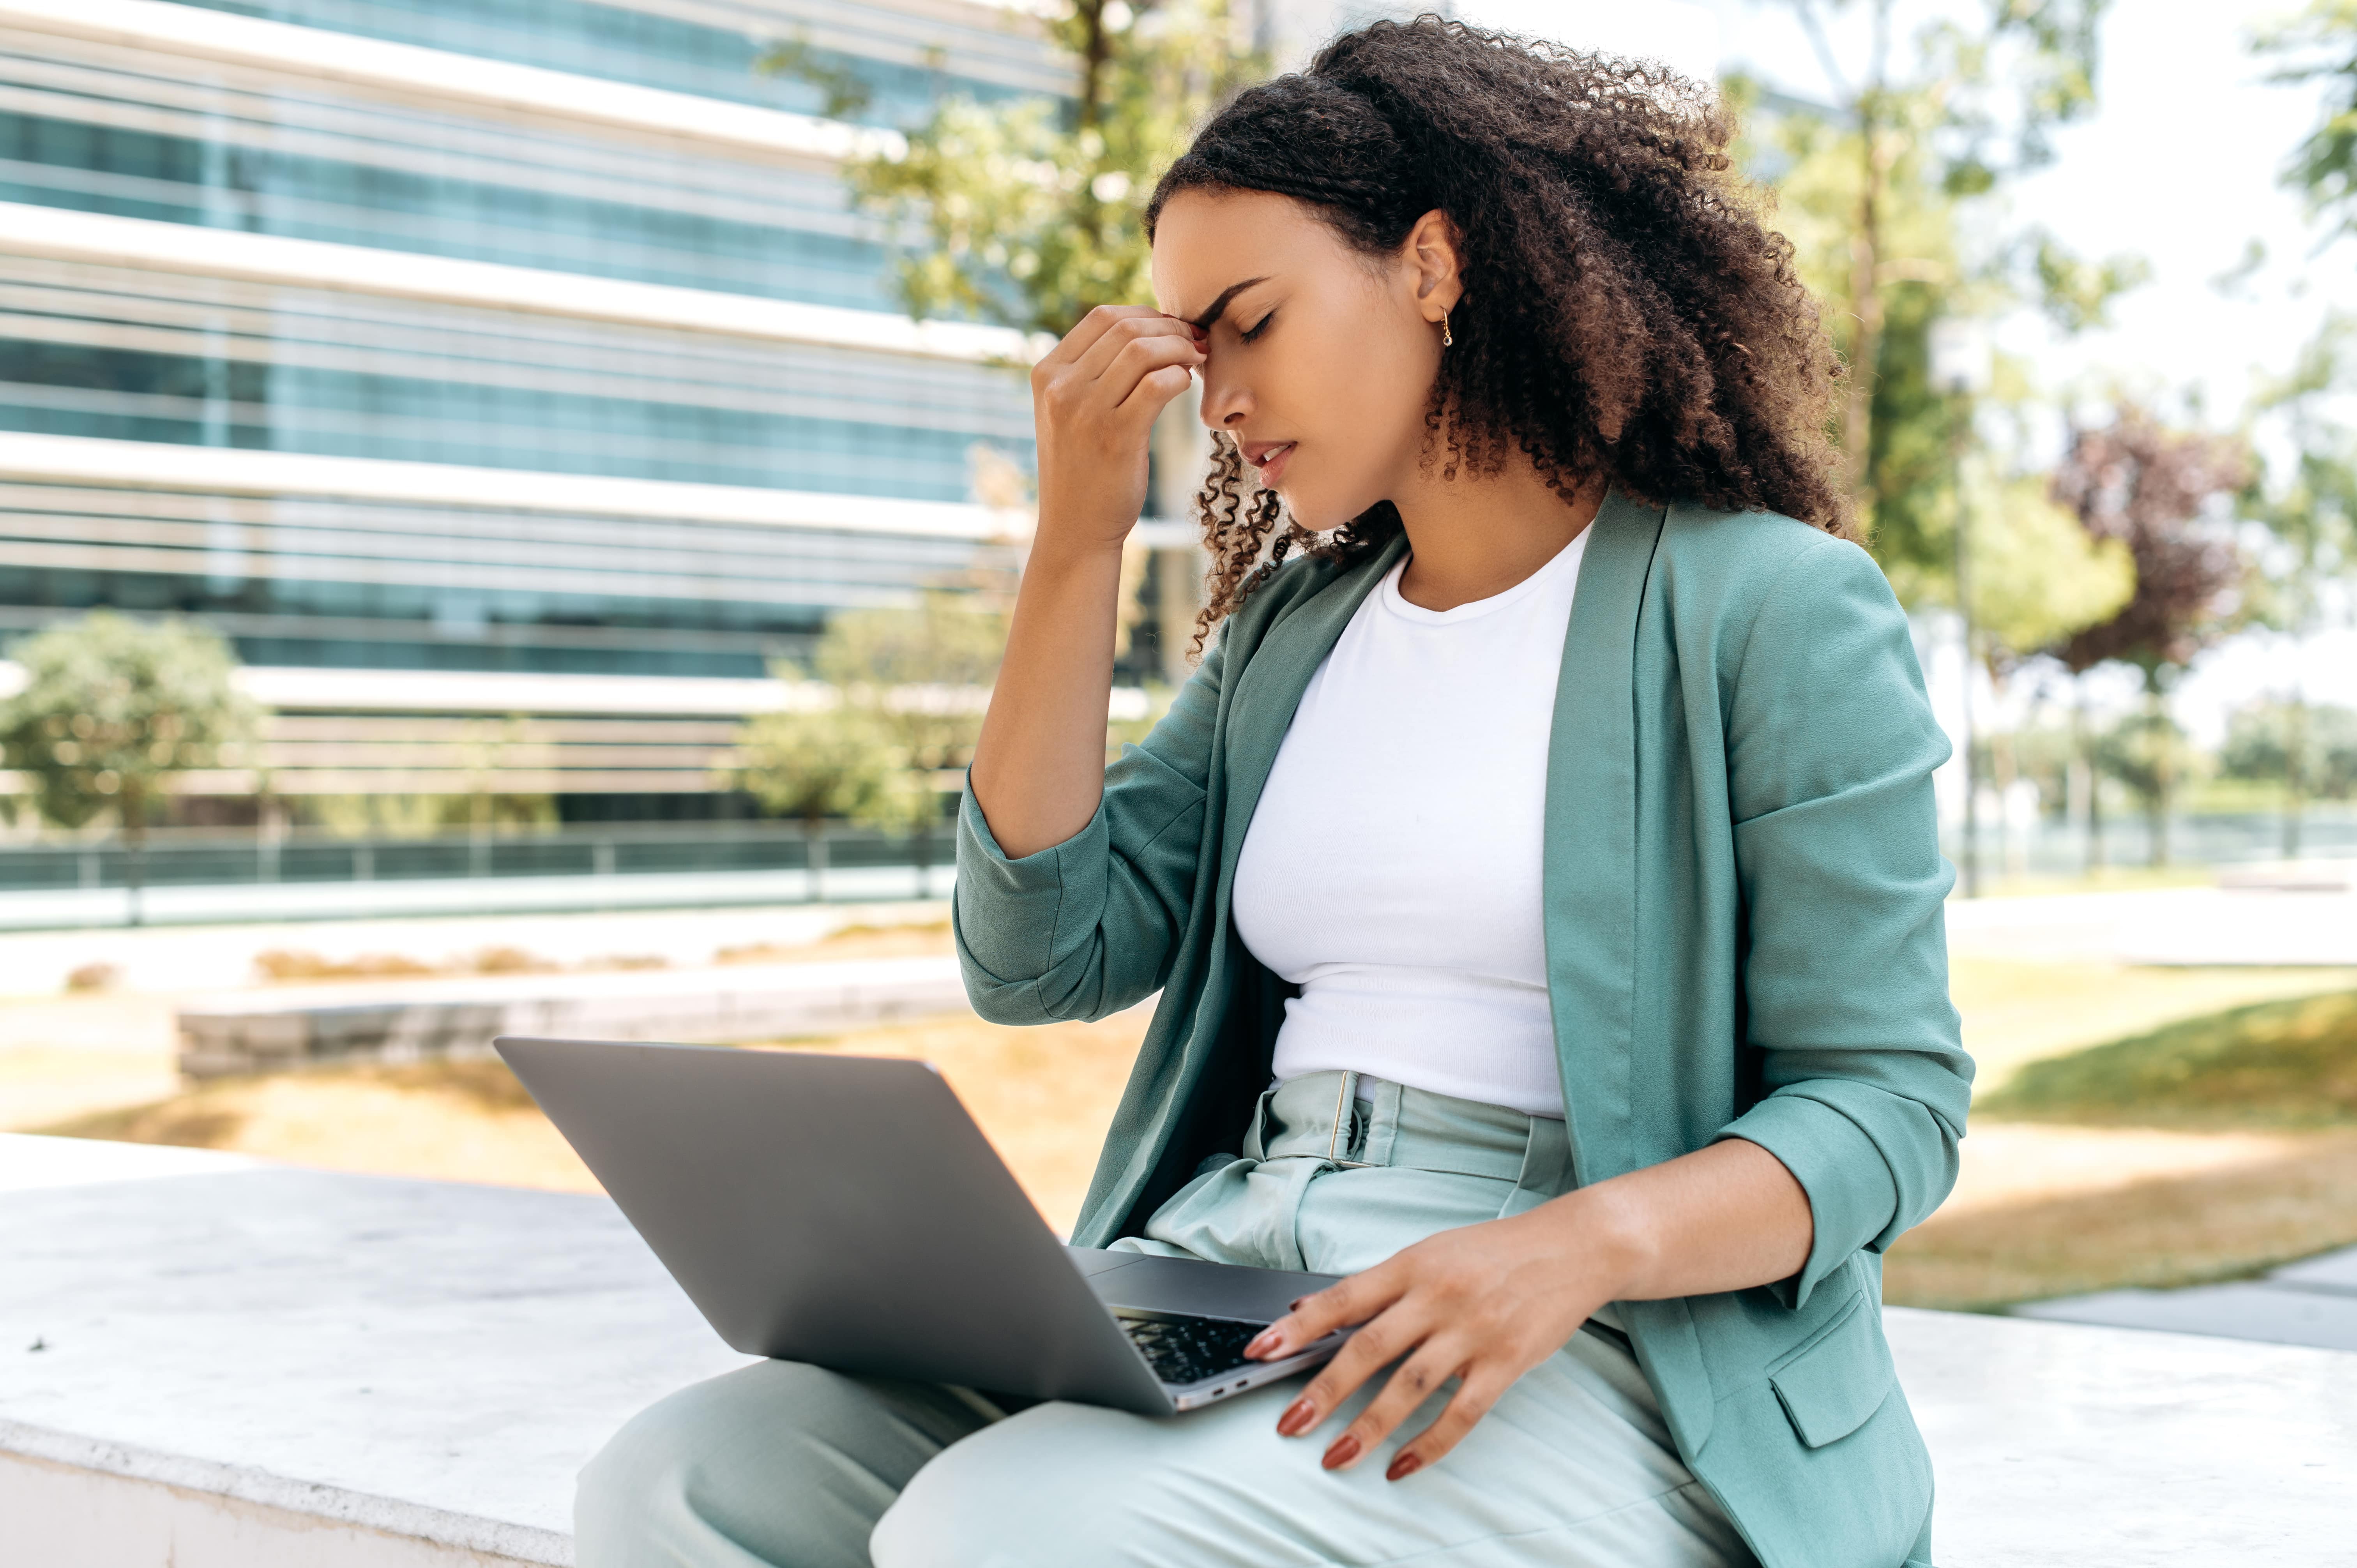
2055, 1197
1043, 1096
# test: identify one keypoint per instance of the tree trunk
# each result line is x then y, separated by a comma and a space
815, 856
2086, 738
1865, 277
135, 873
921, 843
2013, 848
2296, 772
2164, 770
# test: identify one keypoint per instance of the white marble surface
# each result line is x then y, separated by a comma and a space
28, 1162
415, 1357
436, 1360
2058, 1445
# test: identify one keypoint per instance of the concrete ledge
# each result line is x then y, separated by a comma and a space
79, 1501
300, 1026
295, 1367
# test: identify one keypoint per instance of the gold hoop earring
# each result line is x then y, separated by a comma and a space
1446, 340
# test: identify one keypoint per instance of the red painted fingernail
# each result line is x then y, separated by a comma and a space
1405, 1464
1298, 1418
1345, 1449
1267, 1339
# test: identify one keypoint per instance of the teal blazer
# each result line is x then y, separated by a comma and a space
1743, 896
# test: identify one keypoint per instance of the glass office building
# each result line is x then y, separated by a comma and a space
486, 342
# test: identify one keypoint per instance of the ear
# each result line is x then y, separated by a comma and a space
1433, 261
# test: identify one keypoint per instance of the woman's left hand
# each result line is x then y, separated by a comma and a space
1485, 1302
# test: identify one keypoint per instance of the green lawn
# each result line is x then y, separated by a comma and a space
2286, 1067
2290, 1064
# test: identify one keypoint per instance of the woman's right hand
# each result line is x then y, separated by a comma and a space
1094, 398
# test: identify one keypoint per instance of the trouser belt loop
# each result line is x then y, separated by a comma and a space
1338, 1143
1382, 1123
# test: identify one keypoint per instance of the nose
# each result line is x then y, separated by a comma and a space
1227, 401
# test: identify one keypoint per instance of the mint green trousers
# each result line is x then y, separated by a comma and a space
786, 1465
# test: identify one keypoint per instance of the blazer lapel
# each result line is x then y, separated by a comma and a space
1589, 873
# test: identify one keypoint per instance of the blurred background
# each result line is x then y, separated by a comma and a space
508, 508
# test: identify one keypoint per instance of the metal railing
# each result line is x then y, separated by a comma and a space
2049, 848
188, 858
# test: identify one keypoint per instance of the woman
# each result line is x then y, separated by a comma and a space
1539, 876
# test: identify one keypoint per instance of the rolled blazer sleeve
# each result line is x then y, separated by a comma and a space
1830, 747
1088, 926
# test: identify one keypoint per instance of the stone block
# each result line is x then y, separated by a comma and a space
272, 1031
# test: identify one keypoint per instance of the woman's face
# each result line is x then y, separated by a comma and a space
1319, 359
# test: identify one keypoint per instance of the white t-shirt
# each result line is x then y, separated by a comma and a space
1392, 869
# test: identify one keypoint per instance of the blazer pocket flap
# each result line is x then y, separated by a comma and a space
1831, 1385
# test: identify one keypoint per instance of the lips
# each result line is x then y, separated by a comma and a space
1268, 456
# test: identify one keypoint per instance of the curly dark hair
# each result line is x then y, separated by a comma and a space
1625, 311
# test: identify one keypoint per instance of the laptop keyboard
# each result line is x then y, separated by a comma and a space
1189, 1350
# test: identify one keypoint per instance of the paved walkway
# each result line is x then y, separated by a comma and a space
265, 1367
2172, 926
2309, 1302
211, 957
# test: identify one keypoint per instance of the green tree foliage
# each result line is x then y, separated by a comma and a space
2308, 505
1872, 190
2320, 46
2147, 753
838, 761
112, 708
2155, 490
2309, 750
922, 674
907, 688
2036, 575
1032, 211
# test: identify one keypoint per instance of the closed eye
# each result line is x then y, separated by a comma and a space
1257, 331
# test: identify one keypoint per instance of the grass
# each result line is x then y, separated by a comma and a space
2287, 1067
2019, 1011
2288, 1064
2163, 1231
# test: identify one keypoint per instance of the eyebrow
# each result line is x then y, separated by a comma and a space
1218, 306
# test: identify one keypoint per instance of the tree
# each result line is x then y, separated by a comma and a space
2038, 576
2147, 753
1872, 186
2320, 46
906, 690
835, 761
112, 708
2156, 491
924, 673
1032, 209
2307, 749
2309, 508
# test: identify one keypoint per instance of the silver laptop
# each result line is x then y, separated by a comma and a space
847, 1212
